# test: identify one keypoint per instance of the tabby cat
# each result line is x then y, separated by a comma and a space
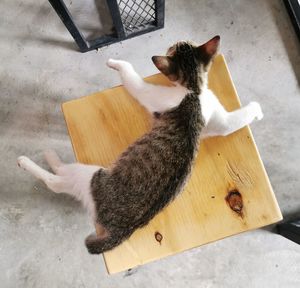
155, 168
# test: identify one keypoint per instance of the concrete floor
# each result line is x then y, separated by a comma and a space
41, 234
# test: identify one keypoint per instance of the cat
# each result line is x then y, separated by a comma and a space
155, 168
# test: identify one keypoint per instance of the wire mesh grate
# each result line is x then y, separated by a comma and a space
137, 14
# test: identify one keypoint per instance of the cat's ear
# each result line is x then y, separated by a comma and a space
211, 47
162, 63
165, 65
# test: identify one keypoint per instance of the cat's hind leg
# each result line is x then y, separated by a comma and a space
73, 179
52, 181
53, 160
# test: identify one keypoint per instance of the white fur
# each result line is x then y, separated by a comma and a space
155, 98
218, 122
75, 179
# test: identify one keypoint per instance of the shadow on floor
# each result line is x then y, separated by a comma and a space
287, 33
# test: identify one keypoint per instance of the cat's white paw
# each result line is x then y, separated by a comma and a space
119, 65
256, 110
114, 64
23, 161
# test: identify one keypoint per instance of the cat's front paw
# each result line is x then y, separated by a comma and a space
119, 65
114, 64
256, 110
23, 161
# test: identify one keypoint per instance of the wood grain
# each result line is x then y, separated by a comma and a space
102, 125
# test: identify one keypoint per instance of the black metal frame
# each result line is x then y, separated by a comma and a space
293, 9
120, 35
290, 230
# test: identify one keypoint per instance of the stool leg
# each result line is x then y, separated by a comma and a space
116, 18
65, 16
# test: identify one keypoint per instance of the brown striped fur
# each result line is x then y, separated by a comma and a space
154, 169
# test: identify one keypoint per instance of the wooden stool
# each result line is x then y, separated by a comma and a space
229, 191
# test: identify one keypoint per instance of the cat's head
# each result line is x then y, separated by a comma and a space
187, 63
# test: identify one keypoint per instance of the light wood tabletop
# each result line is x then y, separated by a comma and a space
229, 191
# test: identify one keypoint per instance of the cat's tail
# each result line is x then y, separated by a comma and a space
96, 244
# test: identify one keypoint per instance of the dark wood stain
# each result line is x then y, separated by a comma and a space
158, 237
235, 201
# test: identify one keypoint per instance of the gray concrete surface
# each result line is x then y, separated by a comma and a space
41, 234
